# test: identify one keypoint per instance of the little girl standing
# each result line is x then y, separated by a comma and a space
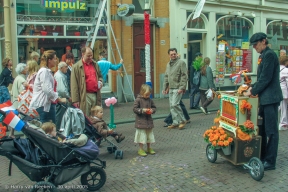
143, 108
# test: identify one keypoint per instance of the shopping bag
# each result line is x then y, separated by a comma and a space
24, 100
209, 95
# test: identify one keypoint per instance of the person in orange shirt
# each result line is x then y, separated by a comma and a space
68, 50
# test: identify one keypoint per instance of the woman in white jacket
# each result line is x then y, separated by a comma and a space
283, 121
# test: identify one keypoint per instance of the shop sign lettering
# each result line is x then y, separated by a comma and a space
65, 4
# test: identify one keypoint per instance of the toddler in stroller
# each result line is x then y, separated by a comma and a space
101, 126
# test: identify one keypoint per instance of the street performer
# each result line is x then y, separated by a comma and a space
269, 92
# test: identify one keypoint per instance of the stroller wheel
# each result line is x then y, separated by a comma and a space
119, 153
44, 186
94, 179
110, 149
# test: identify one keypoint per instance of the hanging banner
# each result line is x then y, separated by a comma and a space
65, 4
198, 9
247, 60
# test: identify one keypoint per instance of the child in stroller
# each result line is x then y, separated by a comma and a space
50, 129
51, 163
101, 126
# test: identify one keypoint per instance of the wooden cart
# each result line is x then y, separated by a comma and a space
246, 153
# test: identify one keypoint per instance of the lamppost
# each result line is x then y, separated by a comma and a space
146, 5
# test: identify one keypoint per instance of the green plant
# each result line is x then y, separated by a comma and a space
197, 63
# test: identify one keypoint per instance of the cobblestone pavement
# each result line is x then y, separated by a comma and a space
180, 163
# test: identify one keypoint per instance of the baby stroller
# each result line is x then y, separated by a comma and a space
91, 132
51, 163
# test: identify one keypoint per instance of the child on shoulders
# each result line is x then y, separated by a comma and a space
143, 108
101, 126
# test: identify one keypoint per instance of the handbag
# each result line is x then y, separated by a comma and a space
24, 99
209, 95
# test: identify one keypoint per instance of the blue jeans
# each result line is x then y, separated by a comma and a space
194, 96
47, 116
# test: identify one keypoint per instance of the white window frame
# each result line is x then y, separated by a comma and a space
235, 30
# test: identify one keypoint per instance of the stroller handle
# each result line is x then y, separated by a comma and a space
2, 113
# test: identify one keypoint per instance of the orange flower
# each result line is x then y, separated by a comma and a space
214, 143
259, 61
222, 132
226, 143
219, 96
220, 143
230, 139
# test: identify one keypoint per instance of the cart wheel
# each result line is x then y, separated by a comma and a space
257, 169
94, 179
211, 153
44, 186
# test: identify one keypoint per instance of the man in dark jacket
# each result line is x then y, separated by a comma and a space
269, 92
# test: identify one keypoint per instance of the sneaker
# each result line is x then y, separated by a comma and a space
203, 110
182, 125
142, 153
120, 138
150, 151
172, 126
188, 121
207, 112
166, 125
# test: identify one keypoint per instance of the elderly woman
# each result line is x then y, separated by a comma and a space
19, 83
35, 56
61, 78
283, 121
45, 97
5, 79
18, 86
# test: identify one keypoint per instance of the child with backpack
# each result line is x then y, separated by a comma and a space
143, 108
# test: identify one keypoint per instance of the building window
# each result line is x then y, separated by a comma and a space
277, 32
197, 23
233, 51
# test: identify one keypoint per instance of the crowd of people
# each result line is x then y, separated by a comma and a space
80, 84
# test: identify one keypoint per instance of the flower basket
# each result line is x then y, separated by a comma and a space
218, 137
226, 150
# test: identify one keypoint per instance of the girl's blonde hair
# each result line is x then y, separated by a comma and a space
96, 109
32, 66
5, 62
46, 56
145, 89
48, 127
206, 63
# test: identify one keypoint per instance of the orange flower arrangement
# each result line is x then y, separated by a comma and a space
245, 105
247, 127
243, 136
218, 137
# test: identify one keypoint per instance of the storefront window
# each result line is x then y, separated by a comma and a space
277, 33
233, 51
71, 8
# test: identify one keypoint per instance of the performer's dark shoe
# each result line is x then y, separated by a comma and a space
268, 166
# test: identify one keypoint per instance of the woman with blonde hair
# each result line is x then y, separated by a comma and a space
33, 68
5, 79
206, 83
45, 97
